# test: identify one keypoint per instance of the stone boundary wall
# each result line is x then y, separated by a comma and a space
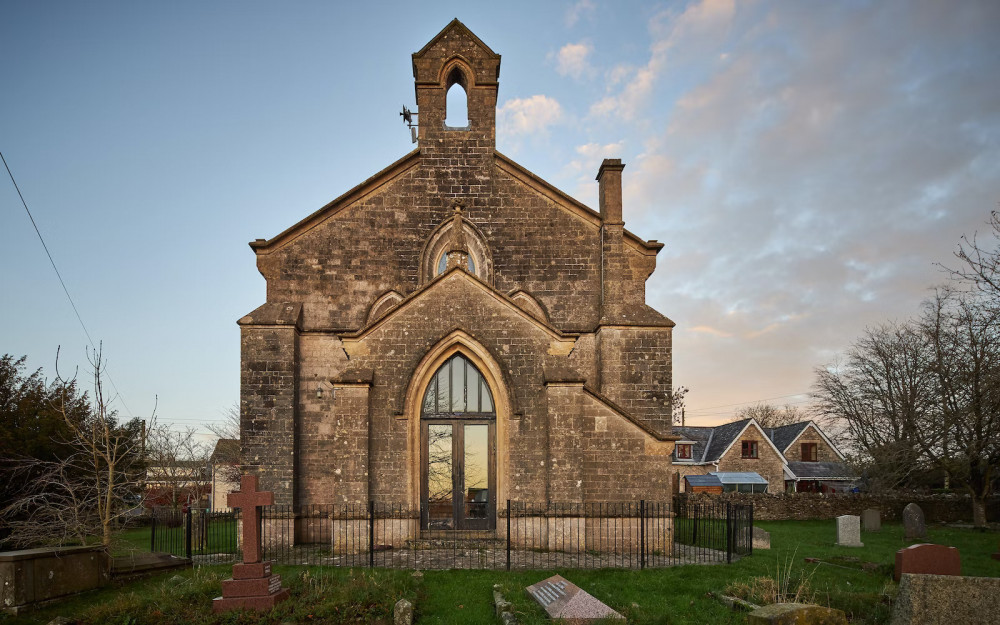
811, 506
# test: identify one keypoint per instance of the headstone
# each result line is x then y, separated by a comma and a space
761, 538
849, 531
914, 525
402, 614
564, 600
792, 613
928, 559
871, 520
252, 585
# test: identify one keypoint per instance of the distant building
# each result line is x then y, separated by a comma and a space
225, 463
794, 458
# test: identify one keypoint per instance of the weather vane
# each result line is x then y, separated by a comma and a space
408, 116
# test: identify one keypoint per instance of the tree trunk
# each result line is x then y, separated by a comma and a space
979, 511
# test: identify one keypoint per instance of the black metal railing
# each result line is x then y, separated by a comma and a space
524, 535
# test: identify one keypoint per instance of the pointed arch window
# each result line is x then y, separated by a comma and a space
456, 100
458, 388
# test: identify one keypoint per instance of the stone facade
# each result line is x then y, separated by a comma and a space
544, 296
824, 452
768, 463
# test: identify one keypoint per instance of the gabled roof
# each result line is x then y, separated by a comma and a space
454, 25
459, 273
711, 443
227, 451
784, 436
723, 438
699, 436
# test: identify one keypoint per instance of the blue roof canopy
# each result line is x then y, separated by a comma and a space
739, 478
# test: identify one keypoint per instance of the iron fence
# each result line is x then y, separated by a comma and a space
525, 535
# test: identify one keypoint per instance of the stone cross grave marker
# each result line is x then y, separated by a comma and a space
914, 525
849, 531
871, 520
563, 599
252, 585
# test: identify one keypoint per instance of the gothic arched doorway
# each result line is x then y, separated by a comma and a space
458, 449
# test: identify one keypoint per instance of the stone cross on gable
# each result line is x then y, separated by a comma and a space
249, 500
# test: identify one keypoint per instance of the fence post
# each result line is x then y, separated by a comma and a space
187, 534
508, 534
371, 533
729, 532
152, 530
750, 537
642, 534
694, 526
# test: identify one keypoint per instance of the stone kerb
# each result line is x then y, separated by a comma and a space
796, 614
945, 600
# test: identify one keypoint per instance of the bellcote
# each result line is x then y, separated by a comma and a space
456, 59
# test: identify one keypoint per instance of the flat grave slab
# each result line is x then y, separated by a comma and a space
565, 600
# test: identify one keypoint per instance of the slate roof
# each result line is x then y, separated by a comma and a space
703, 480
699, 435
785, 435
820, 470
724, 436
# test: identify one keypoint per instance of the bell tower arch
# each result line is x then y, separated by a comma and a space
456, 59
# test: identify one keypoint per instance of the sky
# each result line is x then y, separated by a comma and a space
808, 166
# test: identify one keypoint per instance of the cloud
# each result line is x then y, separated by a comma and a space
579, 9
813, 166
571, 60
676, 39
525, 116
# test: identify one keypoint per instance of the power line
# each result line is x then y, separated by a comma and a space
118, 393
752, 401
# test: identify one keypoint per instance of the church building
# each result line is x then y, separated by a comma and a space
455, 332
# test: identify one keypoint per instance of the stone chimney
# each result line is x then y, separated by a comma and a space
614, 268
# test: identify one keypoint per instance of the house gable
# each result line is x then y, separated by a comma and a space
826, 450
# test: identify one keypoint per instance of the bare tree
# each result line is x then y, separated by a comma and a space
230, 426
980, 263
771, 416
883, 394
93, 484
177, 467
677, 404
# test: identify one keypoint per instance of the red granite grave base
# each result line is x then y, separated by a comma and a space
928, 559
260, 604
252, 571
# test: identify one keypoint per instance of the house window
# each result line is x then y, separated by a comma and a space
809, 452
684, 452
749, 449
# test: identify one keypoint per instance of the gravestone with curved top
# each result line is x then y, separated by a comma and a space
914, 526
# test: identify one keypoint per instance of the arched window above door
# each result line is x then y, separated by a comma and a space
458, 388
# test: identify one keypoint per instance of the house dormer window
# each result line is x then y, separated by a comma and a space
683, 452
749, 449
810, 452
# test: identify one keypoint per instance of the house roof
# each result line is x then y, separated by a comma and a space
703, 480
723, 438
227, 451
820, 470
785, 435
741, 477
699, 436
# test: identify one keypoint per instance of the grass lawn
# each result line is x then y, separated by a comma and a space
221, 538
676, 595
